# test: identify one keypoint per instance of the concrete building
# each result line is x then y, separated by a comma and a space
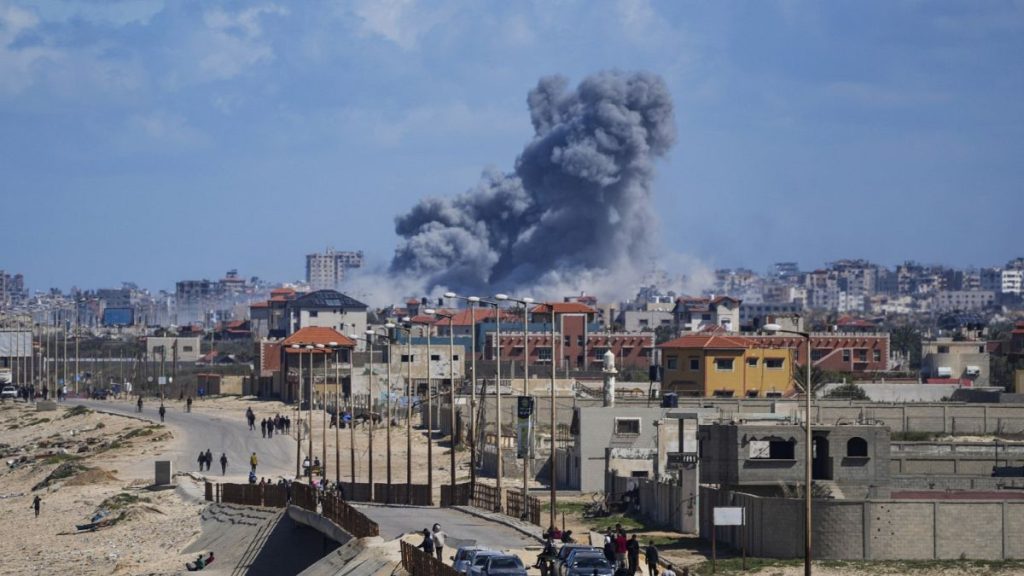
1012, 282
788, 314
646, 320
326, 271
963, 300
696, 314
835, 351
724, 366
185, 349
326, 309
762, 454
964, 360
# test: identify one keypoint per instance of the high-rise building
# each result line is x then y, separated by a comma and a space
326, 271
12, 290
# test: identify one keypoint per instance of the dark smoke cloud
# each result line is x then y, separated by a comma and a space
577, 205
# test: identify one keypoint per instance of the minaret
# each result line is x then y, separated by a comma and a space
609, 378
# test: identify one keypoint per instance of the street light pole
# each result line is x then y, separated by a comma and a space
369, 402
298, 423
337, 414
310, 348
390, 339
554, 476
473, 301
526, 442
430, 413
323, 401
808, 452
497, 395
408, 413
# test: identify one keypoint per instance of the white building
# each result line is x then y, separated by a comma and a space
1012, 281
326, 271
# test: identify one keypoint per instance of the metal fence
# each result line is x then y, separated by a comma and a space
268, 495
419, 563
304, 496
415, 494
353, 521
457, 495
487, 497
517, 508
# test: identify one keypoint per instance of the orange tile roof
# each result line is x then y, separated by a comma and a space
262, 304
564, 308
714, 341
318, 335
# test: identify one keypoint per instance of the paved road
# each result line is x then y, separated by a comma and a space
462, 528
198, 431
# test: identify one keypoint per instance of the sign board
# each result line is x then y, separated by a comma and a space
679, 460
728, 516
524, 426
161, 381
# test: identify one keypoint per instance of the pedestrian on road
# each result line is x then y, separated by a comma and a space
188, 404
263, 427
439, 537
633, 555
201, 460
253, 461
162, 411
651, 553
139, 404
428, 542
620, 549
223, 463
36, 502
251, 418
209, 459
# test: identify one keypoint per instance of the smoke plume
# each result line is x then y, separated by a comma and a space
577, 206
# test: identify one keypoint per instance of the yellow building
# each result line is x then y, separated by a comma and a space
725, 366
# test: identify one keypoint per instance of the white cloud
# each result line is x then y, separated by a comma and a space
19, 64
231, 43
403, 22
165, 129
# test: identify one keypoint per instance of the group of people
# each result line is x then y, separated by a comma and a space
206, 460
624, 553
279, 424
434, 541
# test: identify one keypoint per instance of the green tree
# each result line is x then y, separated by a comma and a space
906, 340
848, 391
663, 334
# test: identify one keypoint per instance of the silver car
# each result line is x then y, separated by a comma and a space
476, 565
463, 558
588, 565
500, 565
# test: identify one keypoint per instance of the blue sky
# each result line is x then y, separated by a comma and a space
153, 141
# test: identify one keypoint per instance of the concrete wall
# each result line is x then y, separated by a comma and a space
873, 530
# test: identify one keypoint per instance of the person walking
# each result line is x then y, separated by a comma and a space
201, 460
36, 503
188, 404
633, 555
253, 462
620, 549
139, 405
209, 459
223, 463
162, 411
439, 538
651, 554
263, 427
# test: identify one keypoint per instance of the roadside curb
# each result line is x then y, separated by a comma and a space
500, 519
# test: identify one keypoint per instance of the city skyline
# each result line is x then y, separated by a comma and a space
153, 143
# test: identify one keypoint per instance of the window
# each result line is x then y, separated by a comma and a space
723, 364
627, 351
643, 322
313, 313
722, 394
857, 448
773, 394
672, 362
943, 349
752, 362
862, 355
846, 355
877, 356
567, 341
435, 357
774, 363
186, 348
627, 425
599, 352
544, 353
695, 364
818, 354
751, 393
638, 474
771, 449
579, 341
406, 358
455, 358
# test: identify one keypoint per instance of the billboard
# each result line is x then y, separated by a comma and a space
118, 316
15, 344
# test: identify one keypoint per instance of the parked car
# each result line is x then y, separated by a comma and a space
9, 391
586, 564
476, 565
500, 565
463, 558
564, 552
576, 554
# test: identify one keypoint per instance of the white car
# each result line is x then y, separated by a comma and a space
9, 392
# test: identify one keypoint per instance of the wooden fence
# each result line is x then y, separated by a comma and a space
458, 495
304, 496
419, 563
528, 510
419, 495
